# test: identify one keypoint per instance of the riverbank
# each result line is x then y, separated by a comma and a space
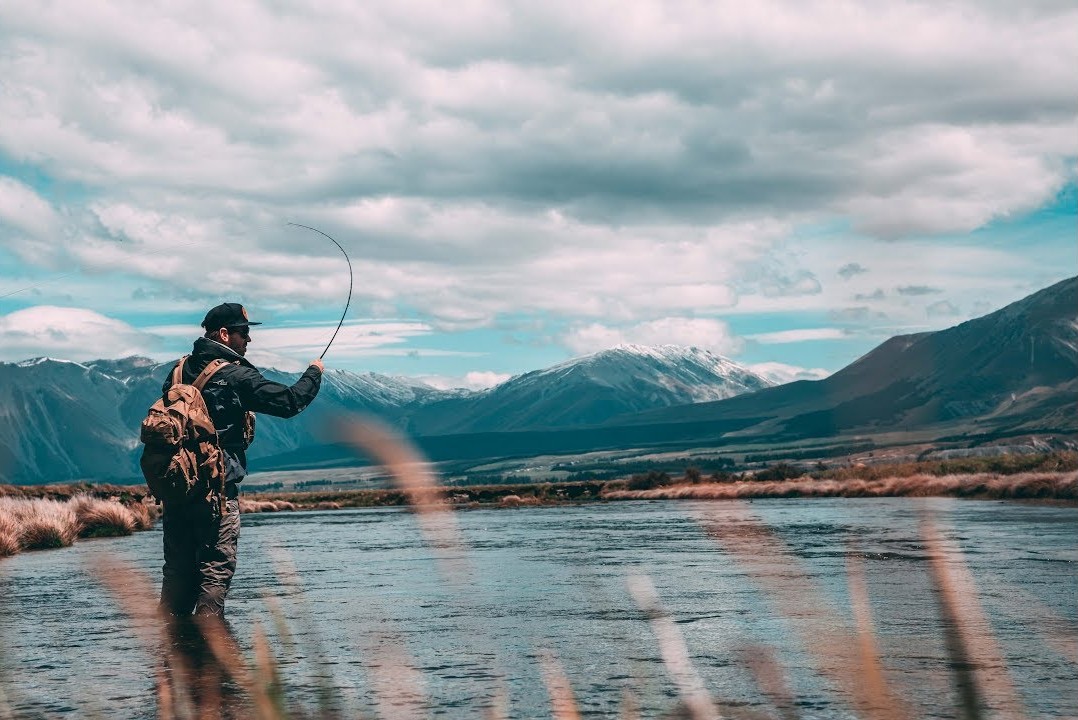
1022, 486
1046, 477
1057, 486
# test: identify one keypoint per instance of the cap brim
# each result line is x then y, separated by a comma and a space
242, 324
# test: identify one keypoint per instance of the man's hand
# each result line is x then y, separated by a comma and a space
318, 364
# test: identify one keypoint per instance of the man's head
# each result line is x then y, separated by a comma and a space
229, 325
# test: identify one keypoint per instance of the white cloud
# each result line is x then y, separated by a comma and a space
800, 335
610, 166
474, 380
848, 270
781, 373
23, 208
70, 334
706, 333
943, 308
291, 347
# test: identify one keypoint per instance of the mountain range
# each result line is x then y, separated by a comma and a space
1012, 372
61, 420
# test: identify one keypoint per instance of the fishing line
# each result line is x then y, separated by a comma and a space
350, 281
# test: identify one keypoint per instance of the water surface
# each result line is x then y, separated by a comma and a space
553, 578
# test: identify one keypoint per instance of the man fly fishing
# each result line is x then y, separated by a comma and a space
196, 438
202, 527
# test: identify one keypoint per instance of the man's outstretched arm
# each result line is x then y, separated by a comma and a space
265, 396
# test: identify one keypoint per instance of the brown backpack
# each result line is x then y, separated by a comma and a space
182, 458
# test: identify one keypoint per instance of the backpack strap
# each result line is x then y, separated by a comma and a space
204, 377
177, 372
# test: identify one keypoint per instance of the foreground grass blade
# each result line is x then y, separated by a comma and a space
823, 631
230, 660
770, 677
877, 694
414, 475
558, 687
328, 701
980, 674
399, 690
675, 653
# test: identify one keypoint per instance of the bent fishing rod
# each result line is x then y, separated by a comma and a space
351, 280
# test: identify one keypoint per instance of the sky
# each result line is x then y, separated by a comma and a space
787, 184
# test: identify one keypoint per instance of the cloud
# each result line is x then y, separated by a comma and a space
474, 380
800, 335
943, 308
284, 347
801, 282
855, 315
781, 373
915, 290
706, 333
876, 294
848, 270
70, 334
597, 165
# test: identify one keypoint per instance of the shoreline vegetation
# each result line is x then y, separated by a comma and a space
52, 516
1047, 476
42, 523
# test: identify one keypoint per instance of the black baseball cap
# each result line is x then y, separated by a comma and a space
227, 315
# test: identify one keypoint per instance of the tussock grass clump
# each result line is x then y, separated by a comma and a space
42, 524
144, 515
102, 518
9, 535
39, 524
264, 506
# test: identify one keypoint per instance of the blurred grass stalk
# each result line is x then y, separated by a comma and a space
979, 671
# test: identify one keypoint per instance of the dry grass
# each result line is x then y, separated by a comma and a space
1033, 485
43, 524
264, 506
9, 535
144, 514
39, 524
101, 518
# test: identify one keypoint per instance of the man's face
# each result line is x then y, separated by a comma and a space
237, 338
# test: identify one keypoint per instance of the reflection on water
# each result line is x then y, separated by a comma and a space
371, 601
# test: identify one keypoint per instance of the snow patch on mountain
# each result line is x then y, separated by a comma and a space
696, 374
41, 360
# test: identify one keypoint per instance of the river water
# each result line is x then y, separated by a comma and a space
370, 597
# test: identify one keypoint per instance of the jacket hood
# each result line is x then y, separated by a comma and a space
205, 350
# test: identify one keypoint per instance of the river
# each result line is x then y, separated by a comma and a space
371, 596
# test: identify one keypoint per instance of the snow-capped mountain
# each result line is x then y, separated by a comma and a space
1012, 371
61, 420
592, 389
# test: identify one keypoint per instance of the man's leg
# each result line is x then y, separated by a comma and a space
180, 576
217, 561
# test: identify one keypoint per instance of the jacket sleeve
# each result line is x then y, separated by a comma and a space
260, 395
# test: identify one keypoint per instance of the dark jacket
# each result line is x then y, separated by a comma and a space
236, 389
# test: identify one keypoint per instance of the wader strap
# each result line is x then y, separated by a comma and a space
205, 375
177, 373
